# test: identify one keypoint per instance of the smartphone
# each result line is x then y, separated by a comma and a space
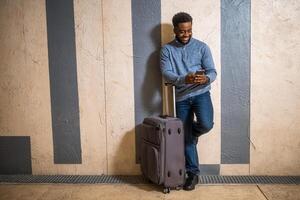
200, 72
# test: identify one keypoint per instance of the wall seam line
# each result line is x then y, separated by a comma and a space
250, 82
105, 93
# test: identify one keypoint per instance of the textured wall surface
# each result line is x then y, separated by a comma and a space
235, 93
146, 38
110, 94
119, 88
63, 82
24, 79
146, 32
275, 89
91, 85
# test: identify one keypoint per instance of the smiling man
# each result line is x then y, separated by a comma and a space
187, 63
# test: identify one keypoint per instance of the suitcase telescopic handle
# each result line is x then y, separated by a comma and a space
168, 84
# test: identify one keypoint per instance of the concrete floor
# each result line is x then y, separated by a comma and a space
146, 192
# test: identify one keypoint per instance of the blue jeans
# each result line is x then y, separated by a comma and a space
202, 107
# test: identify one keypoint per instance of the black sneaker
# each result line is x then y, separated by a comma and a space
190, 182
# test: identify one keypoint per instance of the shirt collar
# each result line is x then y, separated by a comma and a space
180, 44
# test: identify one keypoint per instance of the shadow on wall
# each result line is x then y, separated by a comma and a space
151, 86
123, 160
167, 33
151, 90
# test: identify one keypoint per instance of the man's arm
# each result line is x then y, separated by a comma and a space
167, 70
202, 79
208, 65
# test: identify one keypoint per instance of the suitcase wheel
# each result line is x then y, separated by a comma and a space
166, 190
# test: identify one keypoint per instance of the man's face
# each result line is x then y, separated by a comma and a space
183, 31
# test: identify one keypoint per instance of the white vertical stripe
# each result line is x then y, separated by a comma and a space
91, 87
119, 87
275, 89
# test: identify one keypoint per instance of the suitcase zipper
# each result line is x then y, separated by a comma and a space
152, 144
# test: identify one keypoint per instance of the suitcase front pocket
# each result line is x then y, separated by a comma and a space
150, 161
151, 134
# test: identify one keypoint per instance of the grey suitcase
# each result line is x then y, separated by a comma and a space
162, 151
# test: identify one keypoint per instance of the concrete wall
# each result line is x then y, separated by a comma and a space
275, 89
97, 68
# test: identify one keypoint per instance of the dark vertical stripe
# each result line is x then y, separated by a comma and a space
63, 81
15, 155
146, 32
235, 92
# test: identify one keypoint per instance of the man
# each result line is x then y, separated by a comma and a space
187, 63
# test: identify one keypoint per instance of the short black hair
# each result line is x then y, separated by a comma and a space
181, 17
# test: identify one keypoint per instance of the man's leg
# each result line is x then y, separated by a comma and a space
184, 112
203, 108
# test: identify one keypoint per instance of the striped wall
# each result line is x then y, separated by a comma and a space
78, 77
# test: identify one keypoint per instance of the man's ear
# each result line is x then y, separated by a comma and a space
174, 30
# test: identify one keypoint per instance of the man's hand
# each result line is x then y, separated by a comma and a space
200, 79
189, 78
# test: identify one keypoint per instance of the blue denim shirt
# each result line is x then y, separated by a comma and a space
177, 60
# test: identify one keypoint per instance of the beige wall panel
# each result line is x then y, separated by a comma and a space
89, 55
90, 69
206, 27
24, 78
91, 91
25, 91
234, 169
22, 68
275, 91
118, 61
